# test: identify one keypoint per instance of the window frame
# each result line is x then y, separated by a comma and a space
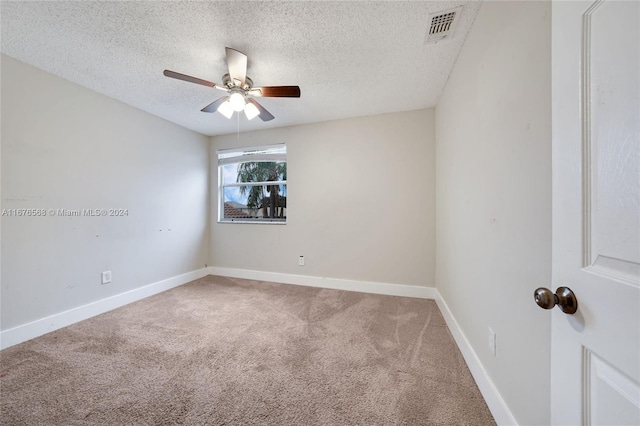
250, 154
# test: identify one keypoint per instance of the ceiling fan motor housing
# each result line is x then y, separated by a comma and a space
227, 81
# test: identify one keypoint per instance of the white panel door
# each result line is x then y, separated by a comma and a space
595, 355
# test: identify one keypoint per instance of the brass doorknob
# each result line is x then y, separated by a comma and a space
563, 297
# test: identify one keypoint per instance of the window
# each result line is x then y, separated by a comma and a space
253, 184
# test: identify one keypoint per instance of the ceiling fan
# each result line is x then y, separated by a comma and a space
240, 89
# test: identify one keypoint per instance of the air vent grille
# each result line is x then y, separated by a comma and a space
442, 24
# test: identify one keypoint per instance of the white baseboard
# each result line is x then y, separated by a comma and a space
28, 331
334, 283
495, 402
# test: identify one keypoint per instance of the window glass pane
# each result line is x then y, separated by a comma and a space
254, 171
261, 171
254, 203
229, 173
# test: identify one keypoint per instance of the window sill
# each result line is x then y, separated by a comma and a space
258, 222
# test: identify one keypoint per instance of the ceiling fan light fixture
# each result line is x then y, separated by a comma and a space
237, 101
226, 109
251, 111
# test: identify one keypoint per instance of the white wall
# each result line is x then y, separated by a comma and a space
360, 202
66, 147
493, 133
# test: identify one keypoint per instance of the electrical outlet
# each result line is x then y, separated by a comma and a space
492, 341
106, 277
301, 260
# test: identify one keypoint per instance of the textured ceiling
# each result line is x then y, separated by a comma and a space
349, 58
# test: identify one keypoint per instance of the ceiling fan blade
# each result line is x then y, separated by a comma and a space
264, 114
188, 78
213, 106
237, 62
276, 91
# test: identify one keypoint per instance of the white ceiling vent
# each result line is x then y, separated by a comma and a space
442, 24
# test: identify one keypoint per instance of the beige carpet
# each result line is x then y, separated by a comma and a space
225, 351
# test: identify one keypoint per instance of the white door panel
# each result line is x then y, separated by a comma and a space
612, 396
611, 41
595, 358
